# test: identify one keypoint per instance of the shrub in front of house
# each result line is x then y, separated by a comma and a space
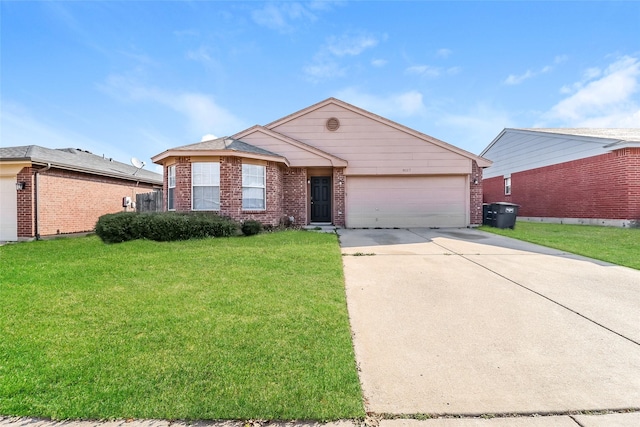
163, 227
251, 227
117, 228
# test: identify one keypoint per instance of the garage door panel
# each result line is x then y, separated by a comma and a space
8, 209
406, 202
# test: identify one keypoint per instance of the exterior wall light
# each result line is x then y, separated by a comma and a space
20, 185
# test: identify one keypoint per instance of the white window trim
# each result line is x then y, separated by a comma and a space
507, 188
193, 185
263, 187
170, 186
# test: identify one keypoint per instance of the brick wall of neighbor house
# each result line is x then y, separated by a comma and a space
339, 185
71, 202
475, 193
295, 194
604, 186
25, 204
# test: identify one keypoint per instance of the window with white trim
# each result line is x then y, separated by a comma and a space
171, 185
205, 186
507, 186
253, 187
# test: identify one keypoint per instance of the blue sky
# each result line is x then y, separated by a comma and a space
125, 78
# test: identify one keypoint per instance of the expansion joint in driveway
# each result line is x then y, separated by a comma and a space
539, 294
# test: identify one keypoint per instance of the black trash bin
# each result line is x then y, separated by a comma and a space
486, 214
503, 214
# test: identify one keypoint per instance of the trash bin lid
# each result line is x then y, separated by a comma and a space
505, 204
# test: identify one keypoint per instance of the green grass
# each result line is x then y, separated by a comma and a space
230, 328
612, 244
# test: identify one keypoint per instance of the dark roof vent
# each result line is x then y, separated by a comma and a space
333, 124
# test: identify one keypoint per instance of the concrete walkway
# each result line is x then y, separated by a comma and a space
466, 323
605, 420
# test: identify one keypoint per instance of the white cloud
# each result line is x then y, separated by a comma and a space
280, 17
208, 137
423, 70
203, 114
379, 63
431, 71
588, 75
515, 79
323, 70
444, 53
350, 45
602, 99
400, 104
325, 63
200, 55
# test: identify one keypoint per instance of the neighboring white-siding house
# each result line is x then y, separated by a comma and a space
584, 176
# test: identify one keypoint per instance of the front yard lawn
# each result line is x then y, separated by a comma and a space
612, 244
228, 328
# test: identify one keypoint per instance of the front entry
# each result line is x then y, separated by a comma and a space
320, 199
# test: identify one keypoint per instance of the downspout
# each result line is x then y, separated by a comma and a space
36, 173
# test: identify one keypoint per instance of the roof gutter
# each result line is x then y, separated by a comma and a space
36, 175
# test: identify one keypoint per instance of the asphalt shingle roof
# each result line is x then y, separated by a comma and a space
225, 143
79, 160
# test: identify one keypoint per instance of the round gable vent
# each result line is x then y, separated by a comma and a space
333, 124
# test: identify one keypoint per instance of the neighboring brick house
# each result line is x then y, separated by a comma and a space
47, 191
330, 163
578, 176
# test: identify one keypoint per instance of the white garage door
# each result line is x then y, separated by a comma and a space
406, 201
8, 209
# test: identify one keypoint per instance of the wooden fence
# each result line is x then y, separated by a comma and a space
149, 202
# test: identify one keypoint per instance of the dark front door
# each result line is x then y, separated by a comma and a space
320, 199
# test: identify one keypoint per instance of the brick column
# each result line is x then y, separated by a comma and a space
26, 204
182, 192
475, 195
231, 187
339, 184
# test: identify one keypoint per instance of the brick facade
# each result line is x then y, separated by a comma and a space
287, 192
605, 186
69, 202
339, 186
294, 202
26, 206
475, 195
231, 192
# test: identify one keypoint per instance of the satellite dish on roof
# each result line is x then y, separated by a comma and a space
137, 163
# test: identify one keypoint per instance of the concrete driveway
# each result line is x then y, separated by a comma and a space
458, 321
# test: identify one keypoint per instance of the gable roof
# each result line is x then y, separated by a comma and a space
618, 134
516, 150
335, 161
221, 146
78, 160
482, 162
614, 138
